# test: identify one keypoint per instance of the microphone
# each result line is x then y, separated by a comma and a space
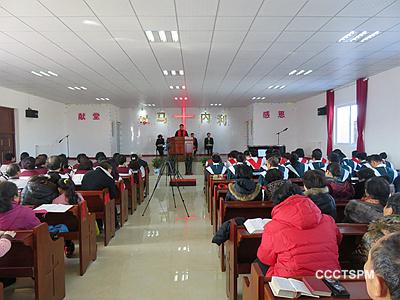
60, 141
285, 129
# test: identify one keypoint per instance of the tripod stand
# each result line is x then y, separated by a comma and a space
170, 172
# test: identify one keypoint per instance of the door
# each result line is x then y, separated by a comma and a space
7, 132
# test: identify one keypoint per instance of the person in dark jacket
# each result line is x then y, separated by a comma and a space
195, 144
296, 168
100, 178
359, 187
339, 189
244, 188
318, 192
39, 190
160, 143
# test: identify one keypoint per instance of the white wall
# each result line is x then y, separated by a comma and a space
35, 135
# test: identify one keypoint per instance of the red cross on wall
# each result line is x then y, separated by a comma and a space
183, 115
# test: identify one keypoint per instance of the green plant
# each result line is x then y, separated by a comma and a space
204, 160
157, 162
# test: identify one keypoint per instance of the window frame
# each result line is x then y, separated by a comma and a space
349, 125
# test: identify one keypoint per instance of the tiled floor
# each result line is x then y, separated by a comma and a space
163, 255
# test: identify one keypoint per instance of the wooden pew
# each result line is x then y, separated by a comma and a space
103, 207
255, 287
214, 180
34, 254
147, 181
139, 188
241, 251
122, 201
221, 194
82, 227
132, 192
1, 291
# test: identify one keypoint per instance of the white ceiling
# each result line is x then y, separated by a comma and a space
231, 50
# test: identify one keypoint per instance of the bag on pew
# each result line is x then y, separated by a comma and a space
289, 288
256, 225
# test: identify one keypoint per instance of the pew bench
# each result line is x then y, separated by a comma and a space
122, 201
132, 192
34, 254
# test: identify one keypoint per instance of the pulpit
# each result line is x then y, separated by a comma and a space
180, 146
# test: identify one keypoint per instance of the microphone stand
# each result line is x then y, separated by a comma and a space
67, 138
279, 133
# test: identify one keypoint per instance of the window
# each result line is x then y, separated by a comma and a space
346, 124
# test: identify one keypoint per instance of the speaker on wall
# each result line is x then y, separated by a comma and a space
31, 113
322, 111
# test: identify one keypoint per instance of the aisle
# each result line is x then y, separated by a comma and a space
162, 255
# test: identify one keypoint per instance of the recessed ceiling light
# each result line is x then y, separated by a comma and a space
300, 72
52, 73
174, 35
162, 36
71, 88
276, 87
165, 72
180, 98
282, 87
150, 35
173, 72
91, 22
270, 87
171, 87
83, 88
108, 99
372, 35
263, 98
219, 104
254, 98
258, 98
77, 88
308, 72
98, 99
183, 87
37, 74
177, 87
358, 37
44, 73
293, 72
181, 72
176, 98
212, 104
347, 36
186, 98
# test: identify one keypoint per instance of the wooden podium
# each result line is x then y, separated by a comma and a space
180, 146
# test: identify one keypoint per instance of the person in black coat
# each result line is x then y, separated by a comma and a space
244, 188
39, 190
195, 144
100, 178
160, 143
316, 189
209, 144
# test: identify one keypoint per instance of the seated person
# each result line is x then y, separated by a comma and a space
254, 162
100, 156
300, 155
244, 188
85, 166
217, 167
273, 163
68, 194
28, 167
384, 266
231, 171
345, 171
79, 158
370, 207
352, 162
337, 188
123, 169
39, 190
12, 215
13, 172
53, 165
9, 158
359, 187
22, 157
388, 164
285, 159
363, 158
99, 179
137, 167
316, 189
381, 169
289, 245
231, 159
316, 162
65, 167
296, 168
270, 181
40, 164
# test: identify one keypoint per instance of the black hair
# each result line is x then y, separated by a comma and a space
253, 152
53, 163
244, 171
294, 159
68, 186
276, 153
299, 152
85, 164
378, 188
105, 165
273, 175
314, 179
394, 203
375, 157
115, 156
273, 161
181, 125
63, 161
233, 154
334, 158
8, 190
100, 155
335, 169
12, 170
354, 153
9, 156
216, 158
121, 159
386, 263
383, 155
365, 174
240, 157
286, 190
41, 160
28, 163
159, 136
361, 156
80, 157
340, 153
246, 153
24, 155
287, 155
316, 154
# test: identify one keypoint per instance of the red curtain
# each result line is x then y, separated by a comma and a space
330, 111
362, 91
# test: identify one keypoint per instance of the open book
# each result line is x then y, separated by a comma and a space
255, 225
289, 288
53, 208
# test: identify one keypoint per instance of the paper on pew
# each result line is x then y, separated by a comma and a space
53, 208
255, 225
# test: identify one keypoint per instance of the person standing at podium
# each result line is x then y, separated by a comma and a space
181, 132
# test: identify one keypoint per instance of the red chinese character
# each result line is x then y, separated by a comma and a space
96, 116
266, 114
81, 116
281, 114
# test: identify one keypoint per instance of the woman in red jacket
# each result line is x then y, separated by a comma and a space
299, 240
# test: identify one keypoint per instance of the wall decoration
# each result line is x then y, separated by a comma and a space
183, 115
81, 117
222, 119
143, 117
96, 116
281, 114
205, 117
162, 117
266, 114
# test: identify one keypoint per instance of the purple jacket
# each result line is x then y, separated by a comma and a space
18, 218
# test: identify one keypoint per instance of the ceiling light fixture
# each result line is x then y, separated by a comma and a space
308, 72
71, 88
293, 72
300, 72
347, 36
91, 22
162, 36
282, 87
181, 72
270, 87
171, 87
183, 87
372, 35
173, 72
175, 36
358, 37
177, 87
165, 72
52, 73
37, 74
77, 88
83, 88
150, 35
44, 73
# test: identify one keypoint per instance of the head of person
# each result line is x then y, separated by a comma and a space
24, 155
80, 157
181, 127
41, 160
354, 153
340, 153
85, 164
392, 205
333, 157
28, 163
240, 157
216, 158
383, 266
159, 136
100, 155
106, 166
244, 172
232, 154
273, 175
115, 156
13, 171
273, 162
67, 187
192, 134
299, 152
8, 193
53, 163
9, 157
208, 134
247, 154
365, 174
283, 192
294, 159
287, 155
378, 188
383, 155
362, 156
121, 160
63, 161
135, 157
253, 152
375, 160
276, 153
316, 154
314, 179
333, 170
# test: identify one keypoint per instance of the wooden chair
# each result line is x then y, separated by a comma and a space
34, 254
139, 188
132, 197
103, 207
255, 287
82, 228
122, 201
147, 181
221, 194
